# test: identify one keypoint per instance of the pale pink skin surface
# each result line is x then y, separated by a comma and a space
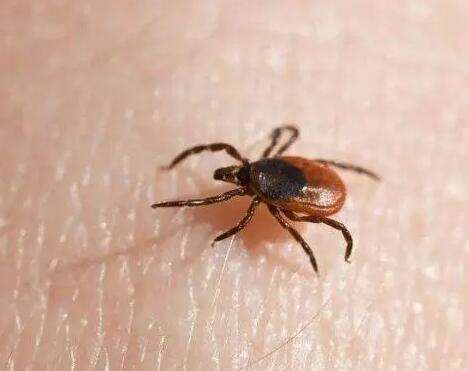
96, 95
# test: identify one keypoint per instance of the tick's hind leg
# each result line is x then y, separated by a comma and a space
214, 147
330, 222
202, 201
351, 167
243, 222
276, 213
275, 136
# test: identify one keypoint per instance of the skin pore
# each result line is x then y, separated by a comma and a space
97, 96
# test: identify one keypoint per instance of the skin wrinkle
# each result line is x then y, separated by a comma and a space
214, 306
40, 333
217, 289
98, 348
193, 316
237, 295
263, 314
184, 241
129, 327
161, 352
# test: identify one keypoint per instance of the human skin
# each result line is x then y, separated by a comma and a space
96, 96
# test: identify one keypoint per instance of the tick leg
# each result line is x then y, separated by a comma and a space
275, 136
243, 222
276, 213
330, 222
214, 147
355, 168
203, 201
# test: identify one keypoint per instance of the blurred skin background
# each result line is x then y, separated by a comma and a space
96, 96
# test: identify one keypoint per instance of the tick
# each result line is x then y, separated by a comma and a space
293, 188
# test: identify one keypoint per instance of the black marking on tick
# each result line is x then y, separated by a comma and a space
276, 179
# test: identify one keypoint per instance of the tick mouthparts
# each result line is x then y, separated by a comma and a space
227, 174
219, 174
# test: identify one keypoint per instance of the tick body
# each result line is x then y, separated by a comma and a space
298, 184
293, 188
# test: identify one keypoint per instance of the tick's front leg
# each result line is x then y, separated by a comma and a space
202, 201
